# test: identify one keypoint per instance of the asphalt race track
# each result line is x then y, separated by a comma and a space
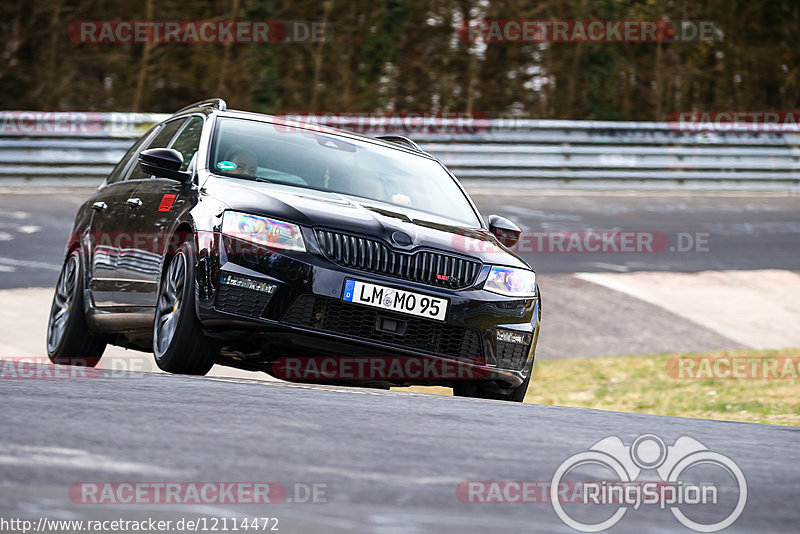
390, 461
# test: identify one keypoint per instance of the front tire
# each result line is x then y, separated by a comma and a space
68, 339
179, 344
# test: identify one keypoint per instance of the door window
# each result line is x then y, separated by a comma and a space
161, 140
188, 140
132, 152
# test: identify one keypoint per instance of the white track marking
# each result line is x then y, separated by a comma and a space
28, 264
759, 309
611, 266
23, 326
14, 214
60, 457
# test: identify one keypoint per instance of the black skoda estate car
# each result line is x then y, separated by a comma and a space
311, 254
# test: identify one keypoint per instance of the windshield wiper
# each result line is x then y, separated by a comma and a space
388, 213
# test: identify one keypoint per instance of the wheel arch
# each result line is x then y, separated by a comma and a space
183, 231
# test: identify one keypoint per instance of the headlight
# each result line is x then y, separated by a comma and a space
511, 282
268, 232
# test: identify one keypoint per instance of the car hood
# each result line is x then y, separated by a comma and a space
335, 211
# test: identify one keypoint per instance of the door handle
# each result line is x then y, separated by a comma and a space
100, 206
133, 202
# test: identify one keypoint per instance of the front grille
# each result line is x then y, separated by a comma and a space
241, 301
511, 355
433, 268
332, 315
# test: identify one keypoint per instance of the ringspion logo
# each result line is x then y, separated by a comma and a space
592, 491
625, 463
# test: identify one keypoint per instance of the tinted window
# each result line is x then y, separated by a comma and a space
123, 163
260, 151
161, 140
188, 140
166, 134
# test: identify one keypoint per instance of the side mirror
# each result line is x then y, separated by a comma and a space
164, 163
504, 230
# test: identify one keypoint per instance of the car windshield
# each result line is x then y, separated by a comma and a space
300, 157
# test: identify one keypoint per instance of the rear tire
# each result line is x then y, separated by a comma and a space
179, 344
68, 339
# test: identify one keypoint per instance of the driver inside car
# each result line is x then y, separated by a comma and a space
246, 161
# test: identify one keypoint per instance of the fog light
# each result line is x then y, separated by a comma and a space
247, 283
509, 336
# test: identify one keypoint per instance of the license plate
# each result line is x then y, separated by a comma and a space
397, 300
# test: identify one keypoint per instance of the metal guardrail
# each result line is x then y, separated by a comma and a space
528, 153
620, 154
66, 148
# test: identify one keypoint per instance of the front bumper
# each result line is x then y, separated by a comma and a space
266, 305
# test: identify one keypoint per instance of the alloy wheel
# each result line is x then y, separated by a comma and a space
169, 302
62, 301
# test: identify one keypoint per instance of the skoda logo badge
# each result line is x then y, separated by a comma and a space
401, 239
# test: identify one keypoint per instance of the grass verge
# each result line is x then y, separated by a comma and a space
642, 384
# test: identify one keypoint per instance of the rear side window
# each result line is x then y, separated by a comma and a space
188, 140
118, 171
161, 140
166, 134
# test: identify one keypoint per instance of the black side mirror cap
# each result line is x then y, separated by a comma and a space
504, 230
164, 163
